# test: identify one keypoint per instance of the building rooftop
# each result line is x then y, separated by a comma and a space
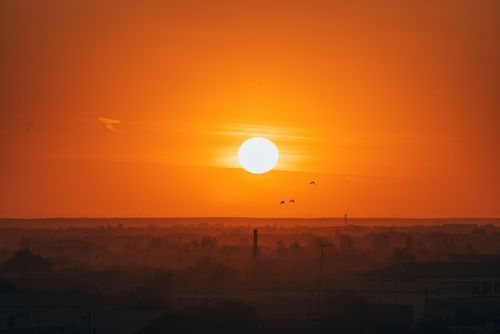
438, 269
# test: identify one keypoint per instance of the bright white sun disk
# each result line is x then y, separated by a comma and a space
258, 155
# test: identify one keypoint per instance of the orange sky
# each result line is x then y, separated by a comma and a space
392, 107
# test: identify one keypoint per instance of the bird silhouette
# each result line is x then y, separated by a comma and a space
312, 183
282, 202
30, 127
291, 201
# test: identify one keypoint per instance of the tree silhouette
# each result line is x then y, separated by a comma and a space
24, 261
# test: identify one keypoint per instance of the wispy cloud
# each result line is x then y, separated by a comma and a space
253, 130
110, 123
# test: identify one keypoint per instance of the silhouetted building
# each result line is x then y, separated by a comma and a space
436, 288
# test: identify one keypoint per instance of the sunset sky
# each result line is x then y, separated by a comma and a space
138, 108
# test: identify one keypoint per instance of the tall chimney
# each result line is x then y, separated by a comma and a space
255, 243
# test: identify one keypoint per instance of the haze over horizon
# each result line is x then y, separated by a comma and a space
251, 222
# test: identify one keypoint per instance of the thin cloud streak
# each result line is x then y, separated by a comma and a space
110, 124
255, 130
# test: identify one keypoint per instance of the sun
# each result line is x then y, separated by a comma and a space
258, 155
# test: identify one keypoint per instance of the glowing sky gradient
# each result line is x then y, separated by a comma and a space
138, 108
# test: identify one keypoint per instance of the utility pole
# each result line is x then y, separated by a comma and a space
345, 219
322, 246
255, 243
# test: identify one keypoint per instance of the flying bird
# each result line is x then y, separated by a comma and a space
282, 202
31, 127
291, 201
110, 123
312, 183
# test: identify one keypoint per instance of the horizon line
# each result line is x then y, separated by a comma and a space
252, 217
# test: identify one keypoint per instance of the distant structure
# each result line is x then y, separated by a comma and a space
345, 219
431, 288
322, 246
255, 243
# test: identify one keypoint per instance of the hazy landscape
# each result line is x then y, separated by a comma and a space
216, 275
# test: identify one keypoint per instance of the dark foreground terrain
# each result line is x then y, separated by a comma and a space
249, 276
